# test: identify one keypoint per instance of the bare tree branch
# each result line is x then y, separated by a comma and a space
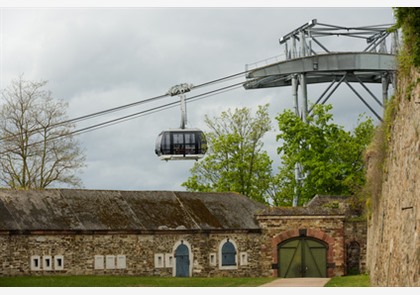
36, 151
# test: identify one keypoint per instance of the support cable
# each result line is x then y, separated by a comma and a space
126, 106
133, 116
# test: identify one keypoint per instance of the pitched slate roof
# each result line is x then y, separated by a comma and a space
68, 209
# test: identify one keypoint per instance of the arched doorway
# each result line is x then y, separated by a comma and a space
182, 261
353, 258
302, 257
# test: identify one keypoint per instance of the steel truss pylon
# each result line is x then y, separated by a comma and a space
307, 60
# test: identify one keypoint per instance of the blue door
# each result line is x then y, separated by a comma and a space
182, 261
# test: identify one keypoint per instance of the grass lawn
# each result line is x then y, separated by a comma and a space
349, 281
129, 281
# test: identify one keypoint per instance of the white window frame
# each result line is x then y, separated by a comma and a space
57, 265
169, 260
35, 262
213, 259
243, 258
110, 261
47, 262
159, 260
99, 262
121, 262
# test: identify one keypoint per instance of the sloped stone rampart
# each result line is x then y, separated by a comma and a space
394, 227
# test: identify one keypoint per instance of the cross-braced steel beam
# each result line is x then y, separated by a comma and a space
307, 60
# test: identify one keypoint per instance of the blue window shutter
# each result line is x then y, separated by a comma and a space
228, 254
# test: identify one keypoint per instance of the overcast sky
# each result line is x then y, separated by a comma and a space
100, 58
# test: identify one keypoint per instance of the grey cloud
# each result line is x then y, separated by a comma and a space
105, 57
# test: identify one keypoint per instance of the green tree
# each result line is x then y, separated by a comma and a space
235, 160
36, 146
330, 158
408, 19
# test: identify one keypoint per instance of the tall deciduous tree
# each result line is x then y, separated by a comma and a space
331, 158
235, 160
37, 148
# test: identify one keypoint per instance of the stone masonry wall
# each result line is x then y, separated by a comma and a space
127, 254
393, 235
334, 231
356, 234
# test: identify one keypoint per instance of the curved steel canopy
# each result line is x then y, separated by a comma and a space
359, 66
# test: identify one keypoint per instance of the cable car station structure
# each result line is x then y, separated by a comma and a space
308, 61
302, 65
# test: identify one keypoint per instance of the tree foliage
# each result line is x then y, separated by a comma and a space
37, 149
331, 158
235, 160
408, 19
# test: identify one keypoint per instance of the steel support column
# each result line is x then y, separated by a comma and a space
295, 94
304, 88
385, 85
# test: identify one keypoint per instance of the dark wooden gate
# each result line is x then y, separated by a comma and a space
302, 257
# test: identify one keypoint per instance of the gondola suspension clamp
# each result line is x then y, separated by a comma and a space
180, 90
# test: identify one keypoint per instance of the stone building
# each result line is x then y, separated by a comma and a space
162, 233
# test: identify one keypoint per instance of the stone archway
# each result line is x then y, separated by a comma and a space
309, 233
302, 257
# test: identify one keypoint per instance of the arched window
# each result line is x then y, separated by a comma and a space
228, 254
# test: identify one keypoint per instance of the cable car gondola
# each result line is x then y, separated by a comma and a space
181, 143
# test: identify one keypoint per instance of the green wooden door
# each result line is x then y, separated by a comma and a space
302, 257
